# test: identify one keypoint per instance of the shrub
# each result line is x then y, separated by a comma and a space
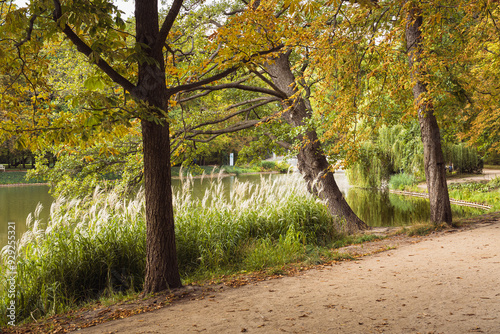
283, 167
268, 165
464, 159
400, 181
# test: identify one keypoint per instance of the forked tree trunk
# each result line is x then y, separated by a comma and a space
312, 162
161, 263
433, 155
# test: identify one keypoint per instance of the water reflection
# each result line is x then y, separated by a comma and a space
374, 207
15, 205
381, 208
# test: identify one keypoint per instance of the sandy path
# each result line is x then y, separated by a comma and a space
448, 283
488, 174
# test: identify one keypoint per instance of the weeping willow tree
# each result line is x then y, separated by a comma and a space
393, 149
372, 167
463, 158
398, 149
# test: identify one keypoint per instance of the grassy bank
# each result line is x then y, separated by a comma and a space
264, 166
16, 178
19, 177
477, 192
207, 170
95, 247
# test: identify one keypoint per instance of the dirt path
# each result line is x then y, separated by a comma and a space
488, 174
447, 283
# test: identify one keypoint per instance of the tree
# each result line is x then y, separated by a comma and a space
139, 65
433, 155
267, 27
312, 162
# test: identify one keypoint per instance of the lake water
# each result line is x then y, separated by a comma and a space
15, 205
375, 208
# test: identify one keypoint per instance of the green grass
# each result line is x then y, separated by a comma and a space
422, 229
485, 193
491, 167
402, 181
95, 247
196, 170
264, 166
16, 178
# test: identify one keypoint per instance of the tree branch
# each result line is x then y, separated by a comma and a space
244, 87
189, 86
223, 74
271, 84
263, 101
87, 50
167, 25
281, 143
233, 128
29, 31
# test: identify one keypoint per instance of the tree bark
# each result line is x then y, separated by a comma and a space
433, 155
161, 263
312, 162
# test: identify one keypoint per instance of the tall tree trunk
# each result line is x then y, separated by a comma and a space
161, 263
433, 155
312, 162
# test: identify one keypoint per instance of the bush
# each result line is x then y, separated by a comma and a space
400, 181
464, 159
283, 167
268, 165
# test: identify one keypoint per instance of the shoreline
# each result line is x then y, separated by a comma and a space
23, 184
173, 178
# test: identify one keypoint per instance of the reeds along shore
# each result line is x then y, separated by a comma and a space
95, 246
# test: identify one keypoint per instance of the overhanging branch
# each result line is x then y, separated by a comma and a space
167, 25
87, 50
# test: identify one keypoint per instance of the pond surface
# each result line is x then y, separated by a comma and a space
15, 205
374, 207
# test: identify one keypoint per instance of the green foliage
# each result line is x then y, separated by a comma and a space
394, 149
108, 164
401, 181
464, 159
283, 167
495, 183
404, 146
369, 171
17, 178
267, 252
471, 187
240, 170
270, 165
486, 193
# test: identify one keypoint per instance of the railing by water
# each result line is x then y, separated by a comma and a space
453, 201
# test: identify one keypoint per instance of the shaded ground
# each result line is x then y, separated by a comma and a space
448, 282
